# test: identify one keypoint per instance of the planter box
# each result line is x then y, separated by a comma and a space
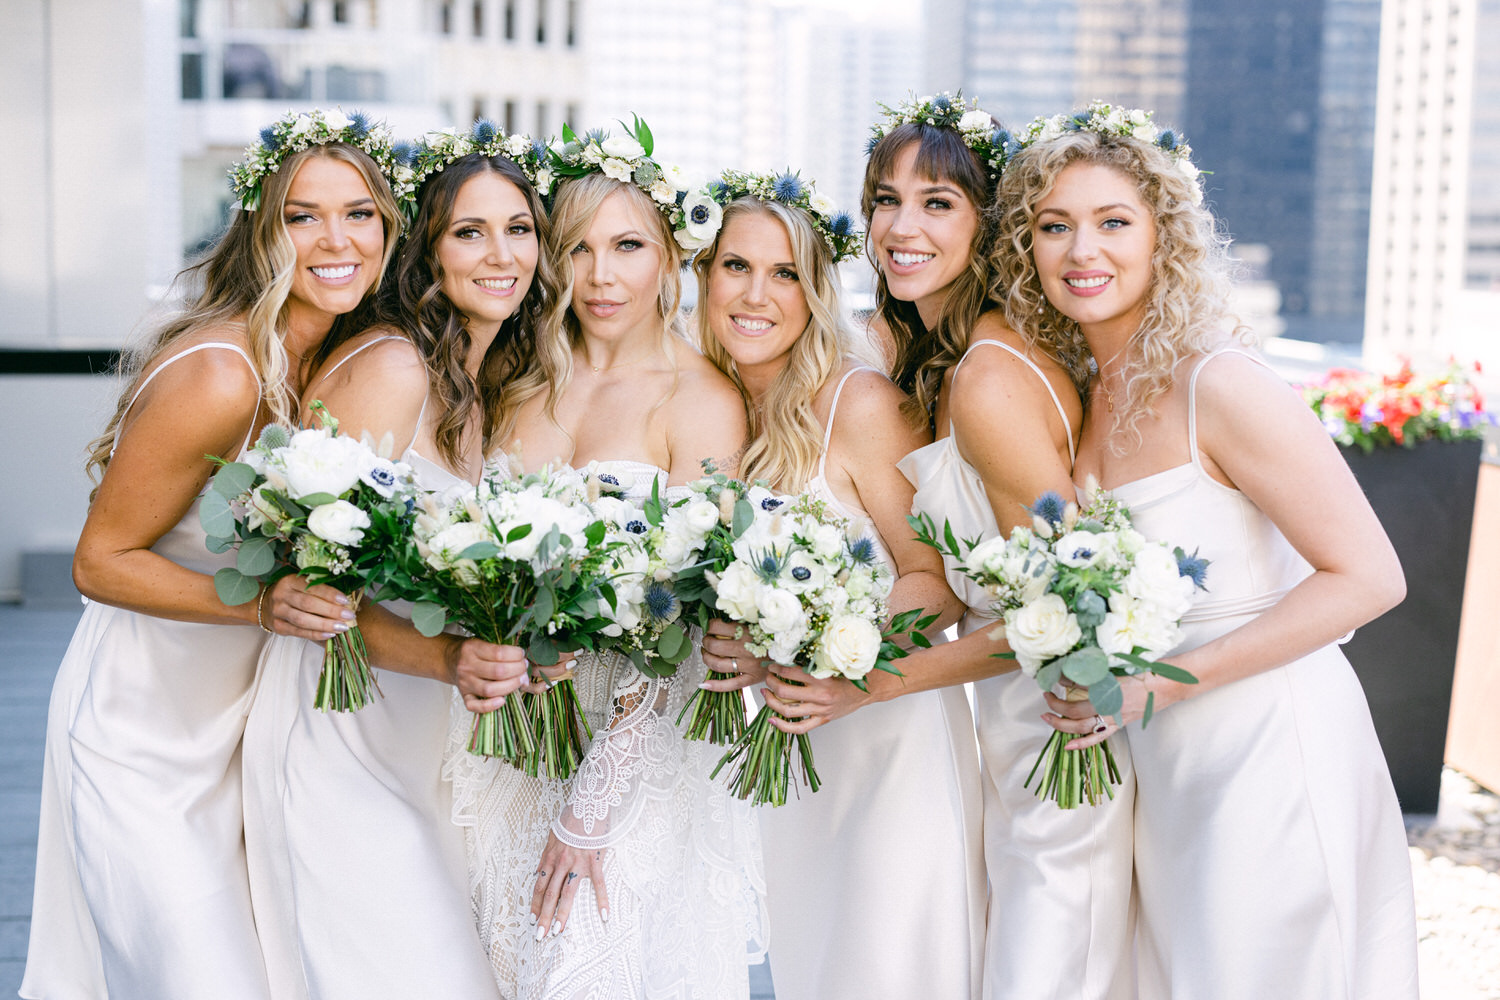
1424, 497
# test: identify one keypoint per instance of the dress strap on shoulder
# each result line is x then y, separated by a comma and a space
833, 410
1067, 424
358, 351
184, 353
1193, 392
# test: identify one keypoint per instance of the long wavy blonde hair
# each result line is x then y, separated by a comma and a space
414, 303
924, 356
1187, 308
246, 278
551, 365
786, 439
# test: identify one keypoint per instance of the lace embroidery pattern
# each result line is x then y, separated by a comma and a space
681, 863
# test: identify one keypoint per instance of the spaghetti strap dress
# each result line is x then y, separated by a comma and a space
141, 889
1270, 855
889, 850
356, 871
1060, 913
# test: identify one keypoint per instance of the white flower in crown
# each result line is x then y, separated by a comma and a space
616, 168
822, 204
702, 218
788, 188
294, 132
974, 121
622, 147
1105, 119
975, 126
679, 178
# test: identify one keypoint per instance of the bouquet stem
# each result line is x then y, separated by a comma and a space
347, 682
506, 733
1071, 777
717, 716
562, 734
764, 759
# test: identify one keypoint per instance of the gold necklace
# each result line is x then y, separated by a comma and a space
1109, 395
624, 364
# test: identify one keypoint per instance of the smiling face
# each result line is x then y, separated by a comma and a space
922, 232
1092, 243
617, 272
339, 238
488, 253
755, 304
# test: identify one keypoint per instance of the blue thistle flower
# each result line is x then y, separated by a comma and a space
405, 153
1013, 146
1000, 137
269, 138
788, 187
871, 143
841, 224
1192, 566
718, 190
769, 568
1167, 140
359, 124
483, 132
661, 603
941, 103
538, 149
862, 550
1049, 507
594, 135
1077, 120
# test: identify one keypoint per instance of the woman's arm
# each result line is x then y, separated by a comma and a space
1281, 458
199, 405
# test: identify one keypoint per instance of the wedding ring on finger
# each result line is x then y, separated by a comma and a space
734, 665
1099, 724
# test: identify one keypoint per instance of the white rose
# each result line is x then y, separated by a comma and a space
1154, 577
783, 648
517, 146
339, 522
1052, 129
1146, 133
1081, 549
618, 169
780, 612
447, 545
679, 178
975, 121
822, 204
828, 541
622, 147
336, 120
700, 516
317, 462
676, 550
301, 125
544, 181
736, 592
1040, 631
989, 556
662, 192
848, 647
1188, 170
1131, 623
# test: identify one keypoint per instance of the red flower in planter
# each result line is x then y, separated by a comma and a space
1362, 409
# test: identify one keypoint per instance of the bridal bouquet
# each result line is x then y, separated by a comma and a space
1084, 597
320, 504
808, 594
520, 561
653, 545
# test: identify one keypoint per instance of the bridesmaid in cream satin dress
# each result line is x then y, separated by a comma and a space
900, 779
1006, 413
1270, 856
141, 886
357, 873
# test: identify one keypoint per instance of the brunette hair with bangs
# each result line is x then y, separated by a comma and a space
922, 356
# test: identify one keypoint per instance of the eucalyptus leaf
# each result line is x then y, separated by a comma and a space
544, 606
480, 550
257, 556
1047, 676
542, 650
215, 515
744, 516
1173, 673
1086, 666
234, 587
429, 618
217, 545
672, 640
1106, 695
233, 478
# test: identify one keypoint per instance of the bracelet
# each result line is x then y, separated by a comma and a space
259, 605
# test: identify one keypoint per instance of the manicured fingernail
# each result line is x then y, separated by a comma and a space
604, 914
327, 636
342, 599
348, 616
532, 918
541, 932
704, 686
557, 927
341, 627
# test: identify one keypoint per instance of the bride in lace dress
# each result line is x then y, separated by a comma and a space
636, 877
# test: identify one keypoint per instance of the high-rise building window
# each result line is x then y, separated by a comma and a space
478, 18
509, 27
572, 115
340, 12
542, 115
572, 36
477, 110
445, 18
510, 117
541, 22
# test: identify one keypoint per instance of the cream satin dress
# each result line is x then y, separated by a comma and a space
141, 890
875, 885
356, 871
1270, 854
1060, 920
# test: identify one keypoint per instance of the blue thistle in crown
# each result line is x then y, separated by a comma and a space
295, 131
483, 131
1121, 123
439, 150
788, 188
359, 124
975, 126
269, 139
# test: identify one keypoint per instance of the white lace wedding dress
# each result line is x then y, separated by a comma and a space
682, 856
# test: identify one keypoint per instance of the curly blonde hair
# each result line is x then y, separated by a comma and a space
786, 439
246, 278
550, 366
1187, 308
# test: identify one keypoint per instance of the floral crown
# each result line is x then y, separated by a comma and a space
685, 202
296, 131
1131, 123
837, 228
977, 128
436, 151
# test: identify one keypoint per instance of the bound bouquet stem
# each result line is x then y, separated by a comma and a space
1071, 777
766, 758
346, 681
